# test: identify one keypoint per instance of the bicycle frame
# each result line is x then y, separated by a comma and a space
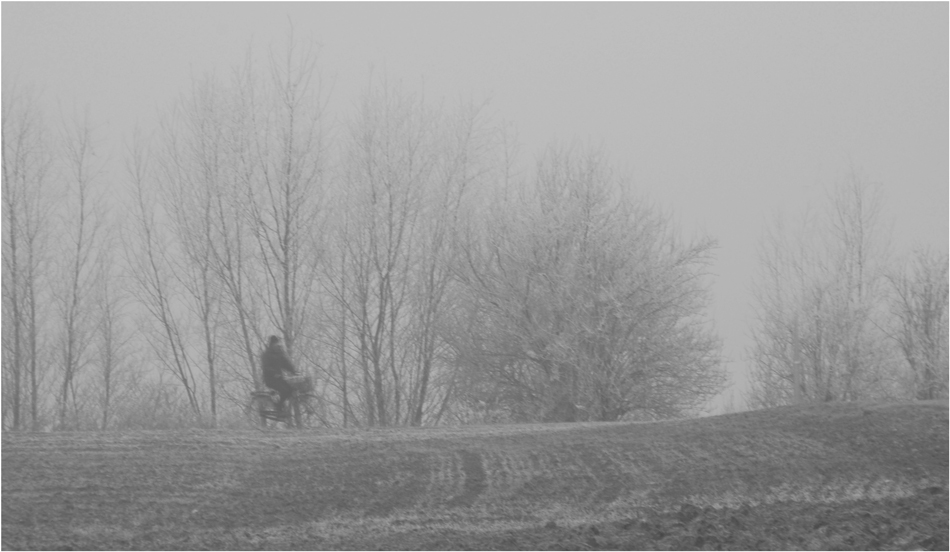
299, 408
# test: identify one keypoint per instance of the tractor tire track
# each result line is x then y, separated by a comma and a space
475, 480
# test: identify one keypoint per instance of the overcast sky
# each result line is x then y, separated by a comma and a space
722, 113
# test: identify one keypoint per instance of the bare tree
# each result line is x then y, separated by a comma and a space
335, 281
147, 255
286, 195
920, 309
408, 169
385, 170
27, 162
582, 303
232, 237
112, 335
83, 229
191, 165
820, 303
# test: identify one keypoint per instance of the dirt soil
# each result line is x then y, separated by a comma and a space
838, 476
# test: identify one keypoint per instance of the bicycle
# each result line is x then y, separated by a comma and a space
300, 411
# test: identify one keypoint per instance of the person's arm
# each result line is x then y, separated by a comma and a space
291, 368
288, 366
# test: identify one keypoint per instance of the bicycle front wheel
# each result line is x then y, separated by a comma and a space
305, 410
257, 409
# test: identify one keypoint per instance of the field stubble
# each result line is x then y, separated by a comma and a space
835, 476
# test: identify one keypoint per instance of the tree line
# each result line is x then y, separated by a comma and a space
411, 264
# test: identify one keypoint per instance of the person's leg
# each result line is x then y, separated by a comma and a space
285, 390
277, 384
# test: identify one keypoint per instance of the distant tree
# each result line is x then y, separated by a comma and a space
820, 301
920, 309
582, 303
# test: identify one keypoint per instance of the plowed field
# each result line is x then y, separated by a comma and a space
840, 476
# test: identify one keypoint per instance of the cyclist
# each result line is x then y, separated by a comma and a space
275, 365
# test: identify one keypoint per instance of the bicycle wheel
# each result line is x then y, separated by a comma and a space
305, 410
259, 407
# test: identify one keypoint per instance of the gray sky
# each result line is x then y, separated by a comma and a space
722, 113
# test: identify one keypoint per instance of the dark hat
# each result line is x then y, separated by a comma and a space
273, 340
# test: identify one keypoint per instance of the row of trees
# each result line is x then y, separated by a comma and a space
839, 318
408, 263
414, 267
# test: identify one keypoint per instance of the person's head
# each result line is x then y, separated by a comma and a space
273, 340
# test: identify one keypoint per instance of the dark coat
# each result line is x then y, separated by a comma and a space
275, 364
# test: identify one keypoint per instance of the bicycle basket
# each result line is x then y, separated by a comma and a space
301, 384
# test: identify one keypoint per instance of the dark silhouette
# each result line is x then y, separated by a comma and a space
276, 365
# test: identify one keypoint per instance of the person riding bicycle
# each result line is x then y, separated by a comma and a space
275, 364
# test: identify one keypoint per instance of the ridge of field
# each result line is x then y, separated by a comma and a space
698, 483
